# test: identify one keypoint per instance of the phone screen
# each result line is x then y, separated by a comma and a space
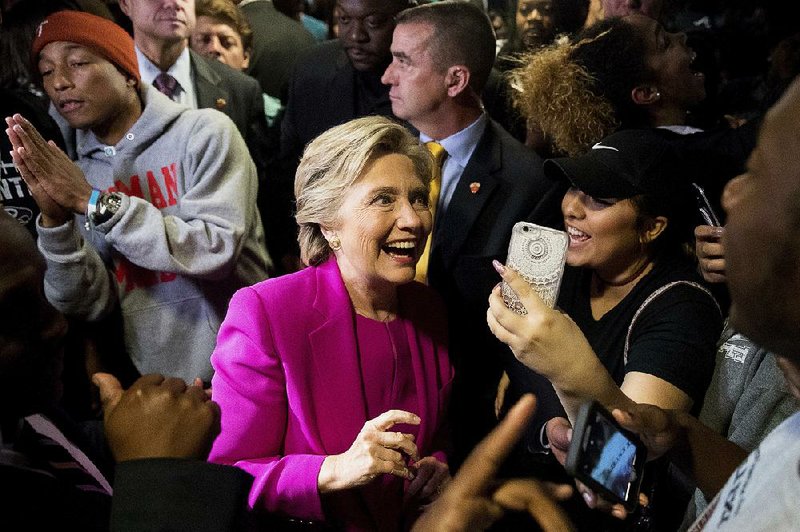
609, 457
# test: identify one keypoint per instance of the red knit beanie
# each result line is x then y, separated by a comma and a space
96, 33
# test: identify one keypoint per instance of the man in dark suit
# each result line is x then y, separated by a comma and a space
278, 42
334, 82
161, 31
341, 79
442, 56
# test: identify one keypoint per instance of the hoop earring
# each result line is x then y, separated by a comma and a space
335, 243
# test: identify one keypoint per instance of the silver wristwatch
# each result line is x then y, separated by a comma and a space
106, 207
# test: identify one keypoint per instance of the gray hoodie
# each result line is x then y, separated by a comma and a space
187, 236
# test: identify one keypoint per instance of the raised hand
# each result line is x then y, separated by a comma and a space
710, 252
157, 417
375, 451
544, 339
470, 501
47, 167
431, 476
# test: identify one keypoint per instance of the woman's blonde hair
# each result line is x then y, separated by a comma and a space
578, 92
335, 160
555, 94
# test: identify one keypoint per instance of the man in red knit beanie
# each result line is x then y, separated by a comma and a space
158, 215
96, 33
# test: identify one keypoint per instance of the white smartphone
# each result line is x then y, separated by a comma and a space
538, 254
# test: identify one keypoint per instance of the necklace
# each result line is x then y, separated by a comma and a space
627, 280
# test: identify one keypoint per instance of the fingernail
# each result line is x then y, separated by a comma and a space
719, 231
499, 267
588, 498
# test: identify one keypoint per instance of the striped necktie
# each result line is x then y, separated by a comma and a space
439, 154
42, 441
167, 84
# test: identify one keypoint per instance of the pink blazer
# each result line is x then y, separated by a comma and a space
288, 382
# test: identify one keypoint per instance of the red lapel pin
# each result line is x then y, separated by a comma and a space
221, 103
474, 187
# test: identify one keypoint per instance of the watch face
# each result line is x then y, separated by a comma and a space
113, 202
107, 207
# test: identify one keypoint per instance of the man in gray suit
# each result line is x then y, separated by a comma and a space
442, 57
161, 31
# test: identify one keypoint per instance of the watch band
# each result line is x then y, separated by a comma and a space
91, 207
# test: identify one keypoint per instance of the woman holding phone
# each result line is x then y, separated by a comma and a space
636, 324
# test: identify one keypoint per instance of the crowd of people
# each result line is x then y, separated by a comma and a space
252, 256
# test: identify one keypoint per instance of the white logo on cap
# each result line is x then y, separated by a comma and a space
599, 146
41, 27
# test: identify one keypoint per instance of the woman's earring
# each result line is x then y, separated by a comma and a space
335, 243
658, 95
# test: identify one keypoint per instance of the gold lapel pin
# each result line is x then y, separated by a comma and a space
474, 187
221, 103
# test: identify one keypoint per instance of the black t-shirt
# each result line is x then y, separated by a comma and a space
673, 338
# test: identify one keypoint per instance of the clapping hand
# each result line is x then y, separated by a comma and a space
57, 184
157, 417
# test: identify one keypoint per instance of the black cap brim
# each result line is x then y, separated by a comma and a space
591, 175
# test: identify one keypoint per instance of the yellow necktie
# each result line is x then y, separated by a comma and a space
439, 155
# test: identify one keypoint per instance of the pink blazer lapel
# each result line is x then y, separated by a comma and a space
336, 377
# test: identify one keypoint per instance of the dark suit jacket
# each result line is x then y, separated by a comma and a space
322, 93
278, 41
476, 228
239, 96
220, 87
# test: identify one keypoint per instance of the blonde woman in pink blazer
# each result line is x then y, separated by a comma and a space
333, 381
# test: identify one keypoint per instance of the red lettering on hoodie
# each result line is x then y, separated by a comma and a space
156, 197
171, 183
135, 189
130, 276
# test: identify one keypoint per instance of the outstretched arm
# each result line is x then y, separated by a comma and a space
550, 343
700, 452
160, 431
472, 501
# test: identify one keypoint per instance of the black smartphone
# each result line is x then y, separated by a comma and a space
604, 456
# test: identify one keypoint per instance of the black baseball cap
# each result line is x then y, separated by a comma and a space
626, 164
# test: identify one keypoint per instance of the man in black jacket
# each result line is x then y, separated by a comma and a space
336, 81
55, 471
